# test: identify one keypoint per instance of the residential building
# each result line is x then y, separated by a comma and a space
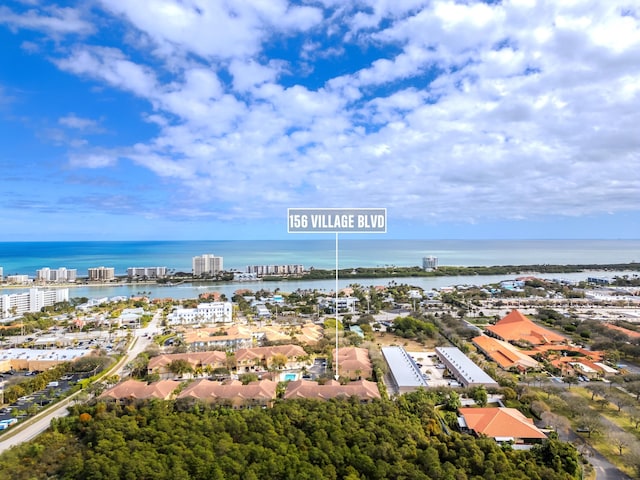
58, 275
197, 360
353, 363
345, 304
214, 312
265, 270
467, 373
131, 390
516, 327
429, 263
144, 273
101, 274
403, 371
32, 301
1, 275
206, 265
502, 424
232, 393
18, 279
264, 358
208, 338
365, 390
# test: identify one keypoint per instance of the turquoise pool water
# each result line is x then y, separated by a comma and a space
290, 376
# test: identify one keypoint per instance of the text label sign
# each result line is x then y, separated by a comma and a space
337, 220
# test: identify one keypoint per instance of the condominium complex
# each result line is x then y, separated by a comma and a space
1, 274
261, 270
207, 264
430, 263
147, 272
59, 275
215, 312
18, 279
104, 274
32, 301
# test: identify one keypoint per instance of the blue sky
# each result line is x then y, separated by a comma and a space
197, 119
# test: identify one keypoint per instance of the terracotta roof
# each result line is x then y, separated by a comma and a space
290, 351
195, 359
204, 389
500, 422
363, 389
516, 326
135, 389
351, 359
503, 353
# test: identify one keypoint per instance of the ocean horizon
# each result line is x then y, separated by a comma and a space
27, 257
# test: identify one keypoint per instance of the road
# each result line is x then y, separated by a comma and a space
33, 427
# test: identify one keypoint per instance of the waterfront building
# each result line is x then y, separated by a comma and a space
1, 274
58, 275
103, 274
214, 312
146, 272
265, 270
207, 264
18, 279
430, 263
32, 301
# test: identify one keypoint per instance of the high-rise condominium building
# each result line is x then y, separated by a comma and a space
207, 264
430, 263
56, 275
102, 273
147, 272
31, 301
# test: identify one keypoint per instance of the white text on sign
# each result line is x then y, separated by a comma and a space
338, 220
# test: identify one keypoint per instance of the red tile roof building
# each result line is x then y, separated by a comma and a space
353, 363
504, 354
232, 393
137, 390
363, 389
517, 327
502, 424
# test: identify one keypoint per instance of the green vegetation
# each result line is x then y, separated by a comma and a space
296, 439
445, 271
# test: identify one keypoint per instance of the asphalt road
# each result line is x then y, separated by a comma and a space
33, 427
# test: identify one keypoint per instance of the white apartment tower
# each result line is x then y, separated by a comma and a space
32, 301
147, 272
207, 264
59, 275
1, 274
430, 263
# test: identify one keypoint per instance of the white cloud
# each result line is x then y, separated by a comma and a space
448, 110
50, 19
79, 123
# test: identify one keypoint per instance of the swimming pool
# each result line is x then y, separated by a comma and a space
290, 377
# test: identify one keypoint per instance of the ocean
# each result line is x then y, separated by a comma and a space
27, 257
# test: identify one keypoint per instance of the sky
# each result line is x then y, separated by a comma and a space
207, 119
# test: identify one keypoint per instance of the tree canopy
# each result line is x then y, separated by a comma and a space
301, 439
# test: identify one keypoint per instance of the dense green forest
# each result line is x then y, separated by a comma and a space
304, 439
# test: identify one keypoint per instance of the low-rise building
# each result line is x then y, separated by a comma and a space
131, 390
214, 312
365, 390
205, 361
504, 425
232, 393
353, 363
467, 373
403, 370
